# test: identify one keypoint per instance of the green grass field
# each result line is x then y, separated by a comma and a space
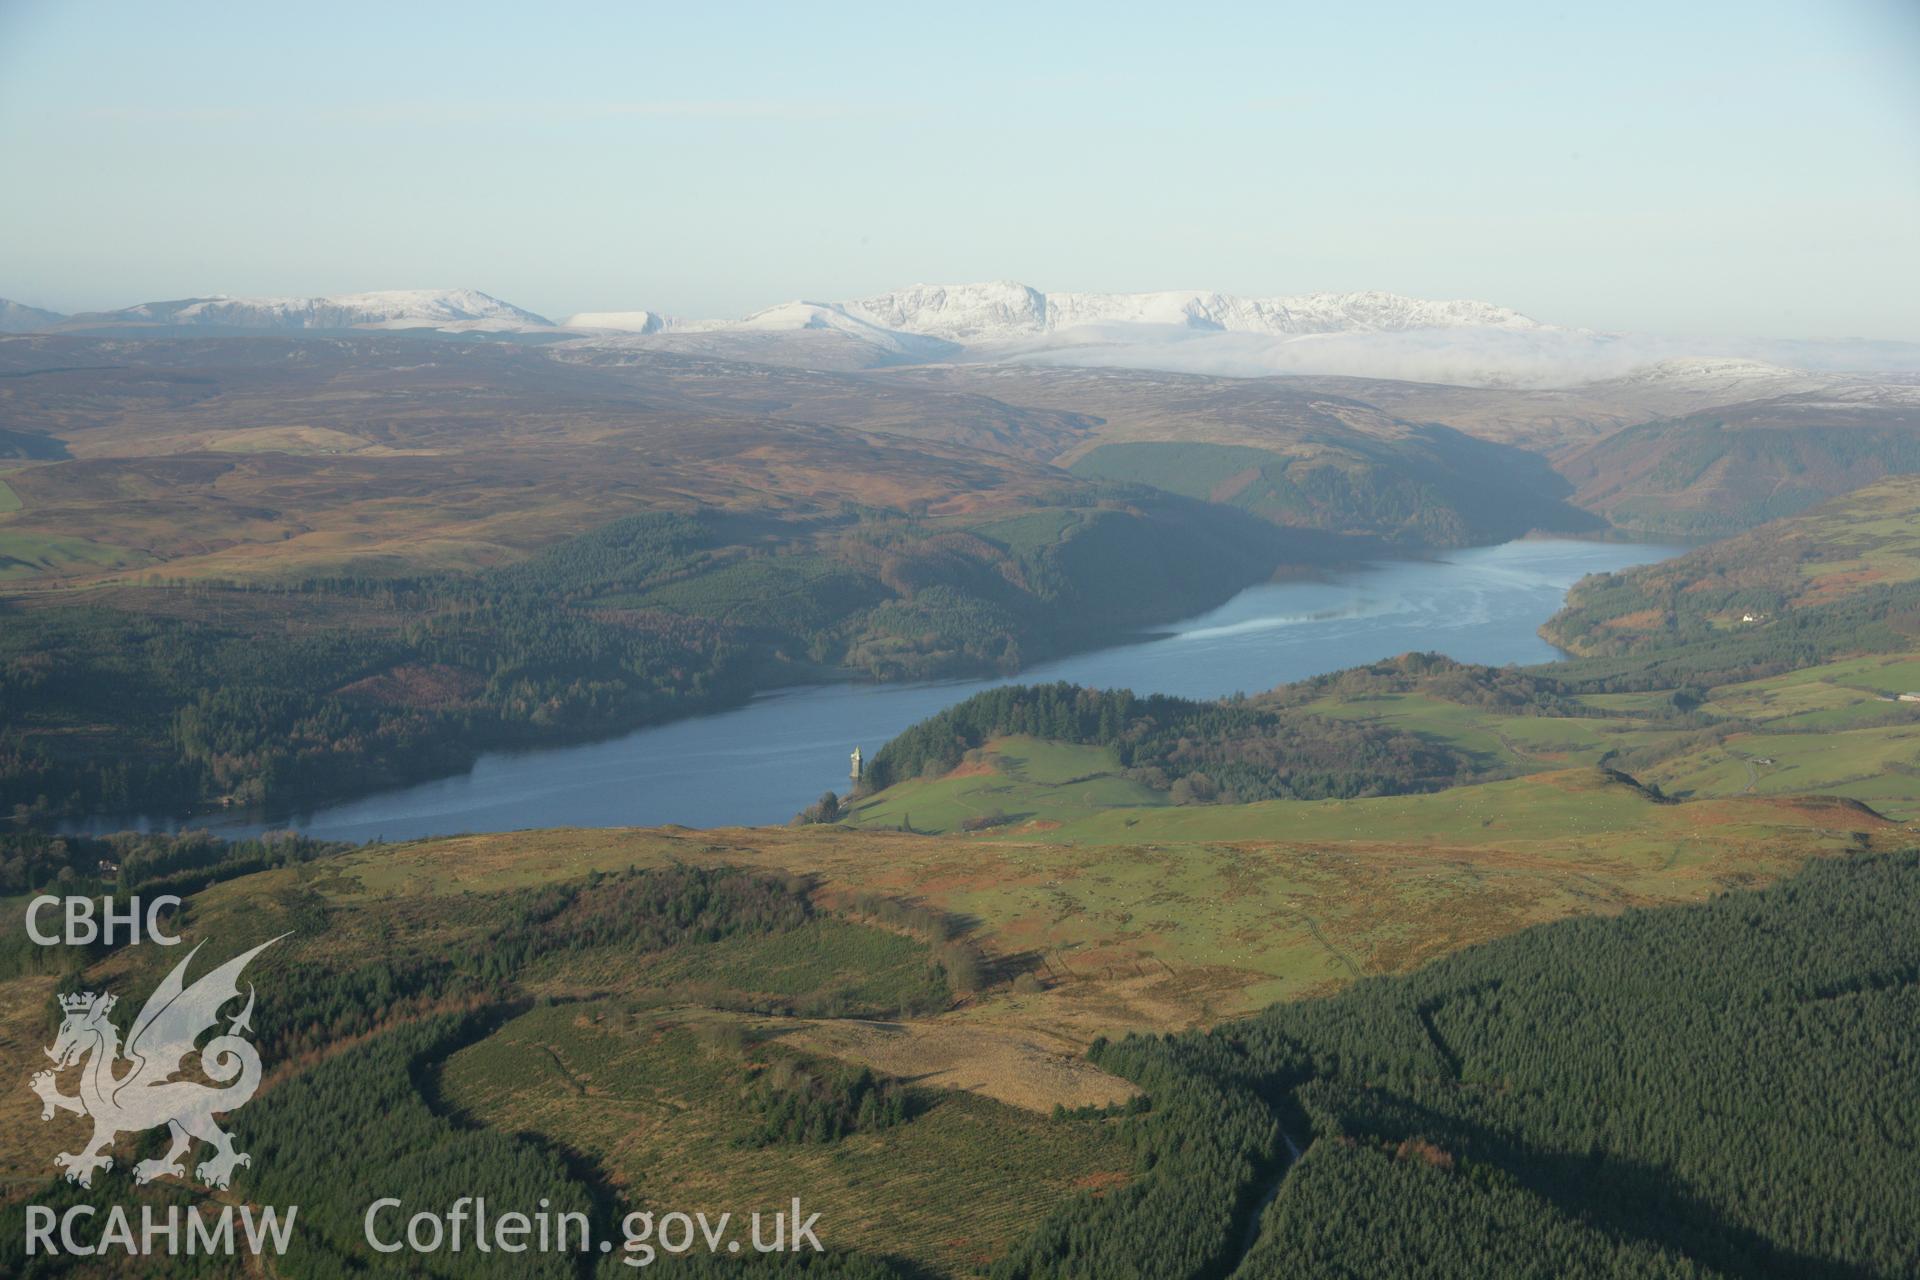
1879, 766
1887, 675
1834, 729
1030, 532
1571, 805
1025, 788
1010, 783
26, 554
1864, 713
1521, 744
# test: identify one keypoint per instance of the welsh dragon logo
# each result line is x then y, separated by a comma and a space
137, 1090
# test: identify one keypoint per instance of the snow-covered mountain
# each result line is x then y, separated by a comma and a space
448, 310
810, 334
839, 319
1008, 311
1367, 334
18, 317
636, 322
1009, 320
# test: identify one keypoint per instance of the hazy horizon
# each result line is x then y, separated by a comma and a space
561, 315
1722, 170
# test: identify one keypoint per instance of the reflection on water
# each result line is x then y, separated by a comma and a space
763, 762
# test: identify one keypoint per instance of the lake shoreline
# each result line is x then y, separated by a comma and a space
718, 767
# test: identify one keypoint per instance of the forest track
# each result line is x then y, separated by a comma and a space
1267, 1197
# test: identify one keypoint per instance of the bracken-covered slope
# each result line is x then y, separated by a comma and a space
1745, 588
1297, 454
1726, 469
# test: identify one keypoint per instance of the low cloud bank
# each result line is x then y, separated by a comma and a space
1544, 357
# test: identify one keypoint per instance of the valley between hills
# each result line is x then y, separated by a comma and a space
1415, 962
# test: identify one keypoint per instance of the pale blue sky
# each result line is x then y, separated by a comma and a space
1714, 166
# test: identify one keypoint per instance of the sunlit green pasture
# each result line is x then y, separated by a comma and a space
1010, 782
1880, 766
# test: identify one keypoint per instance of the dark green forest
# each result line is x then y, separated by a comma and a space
1720, 1090
792, 1104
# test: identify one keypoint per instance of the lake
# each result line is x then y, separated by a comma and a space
766, 760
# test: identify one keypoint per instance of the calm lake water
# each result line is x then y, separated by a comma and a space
763, 762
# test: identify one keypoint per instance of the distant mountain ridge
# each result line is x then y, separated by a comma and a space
1009, 320
445, 310
18, 317
1367, 334
997, 311
1006, 310
1009, 310
1370, 334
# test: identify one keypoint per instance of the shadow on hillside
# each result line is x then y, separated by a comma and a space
1623, 1197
